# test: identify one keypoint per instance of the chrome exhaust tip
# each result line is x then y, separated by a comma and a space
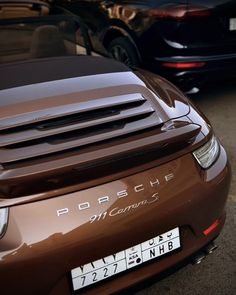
210, 248
198, 258
206, 251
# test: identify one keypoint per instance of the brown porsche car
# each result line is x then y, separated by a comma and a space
107, 176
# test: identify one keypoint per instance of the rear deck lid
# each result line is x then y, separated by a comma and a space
64, 123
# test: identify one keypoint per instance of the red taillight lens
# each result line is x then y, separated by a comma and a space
183, 65
169, 11
208, 230
198, 11
179, 12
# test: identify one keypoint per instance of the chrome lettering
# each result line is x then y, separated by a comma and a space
103, 200
126, 209
62, 211
117, 210
168, 177
84, 206
154, 198
139, 188
122, 194
156, 182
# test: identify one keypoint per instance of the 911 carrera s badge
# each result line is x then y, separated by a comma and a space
117, 210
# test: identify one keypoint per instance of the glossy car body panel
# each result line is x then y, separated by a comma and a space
62, 242
62, 96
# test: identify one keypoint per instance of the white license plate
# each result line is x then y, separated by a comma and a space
106, 267
232, 24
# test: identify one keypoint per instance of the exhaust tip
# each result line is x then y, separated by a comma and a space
198, 258
210, 248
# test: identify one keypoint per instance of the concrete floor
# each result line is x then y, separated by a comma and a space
216, 275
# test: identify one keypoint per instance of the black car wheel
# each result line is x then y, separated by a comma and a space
123, 50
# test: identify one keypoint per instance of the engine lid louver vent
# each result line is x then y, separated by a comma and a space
60, 129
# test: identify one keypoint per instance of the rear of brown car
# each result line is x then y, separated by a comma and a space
102, 180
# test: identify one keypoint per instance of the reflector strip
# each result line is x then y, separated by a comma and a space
211, 227
187, 65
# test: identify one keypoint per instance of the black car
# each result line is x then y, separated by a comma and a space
190, 41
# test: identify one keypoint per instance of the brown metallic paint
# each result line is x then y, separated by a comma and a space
168, 106
40, 248
48, 246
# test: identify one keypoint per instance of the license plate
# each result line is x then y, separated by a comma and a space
232, 24
106, 267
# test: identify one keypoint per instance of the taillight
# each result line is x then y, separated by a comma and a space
179, 12
3, 220
198, 11
183, 65
214, 225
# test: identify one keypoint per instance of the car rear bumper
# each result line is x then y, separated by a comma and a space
41, 245
207, 68
207, 58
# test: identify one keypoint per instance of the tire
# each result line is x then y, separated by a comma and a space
124, 51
